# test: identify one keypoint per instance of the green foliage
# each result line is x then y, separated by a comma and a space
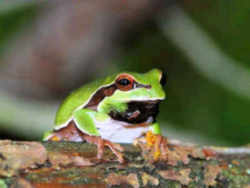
2, 184
227, 21
12, 22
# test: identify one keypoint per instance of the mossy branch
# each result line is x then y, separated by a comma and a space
58, 164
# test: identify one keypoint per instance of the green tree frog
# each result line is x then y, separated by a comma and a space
117, 109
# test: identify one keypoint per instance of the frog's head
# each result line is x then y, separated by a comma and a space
140, 87
140, 92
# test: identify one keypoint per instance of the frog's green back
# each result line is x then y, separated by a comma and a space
78, 98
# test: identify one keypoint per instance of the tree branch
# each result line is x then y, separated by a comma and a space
58, 164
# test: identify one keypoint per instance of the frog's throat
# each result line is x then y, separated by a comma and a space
137, 112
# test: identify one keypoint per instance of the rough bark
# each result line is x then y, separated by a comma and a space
66, 164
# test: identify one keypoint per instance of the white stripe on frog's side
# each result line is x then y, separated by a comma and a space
116, 131
58, 127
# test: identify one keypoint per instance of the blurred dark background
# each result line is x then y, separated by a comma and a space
49, 48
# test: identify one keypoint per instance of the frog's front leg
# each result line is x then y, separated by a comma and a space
154, 143
86, 121
157, 143
101, 143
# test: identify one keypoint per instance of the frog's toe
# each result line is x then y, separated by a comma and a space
116, 149
54, 137
160, 151
157, 145
150, 139
157, 155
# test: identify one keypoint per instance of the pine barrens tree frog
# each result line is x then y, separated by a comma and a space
118, 109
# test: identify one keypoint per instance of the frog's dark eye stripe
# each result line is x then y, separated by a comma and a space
100, 95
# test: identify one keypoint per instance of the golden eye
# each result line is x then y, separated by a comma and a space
125, 82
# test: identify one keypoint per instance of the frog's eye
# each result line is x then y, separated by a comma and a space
125, 82
163, 78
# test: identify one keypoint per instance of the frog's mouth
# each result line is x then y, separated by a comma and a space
138, 112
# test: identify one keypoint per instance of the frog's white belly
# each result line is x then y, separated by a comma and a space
115, 131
